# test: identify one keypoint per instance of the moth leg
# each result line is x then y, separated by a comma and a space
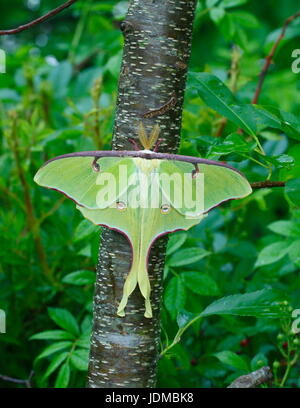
95, 165
134, 143
195, 172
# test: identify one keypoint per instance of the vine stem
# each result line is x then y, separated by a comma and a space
38, 20
178, 335
270, 56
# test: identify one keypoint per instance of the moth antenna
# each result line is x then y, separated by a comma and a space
143, 135
135, 145
154, 136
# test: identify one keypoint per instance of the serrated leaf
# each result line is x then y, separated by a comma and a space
187, 256
64, 319
262, 303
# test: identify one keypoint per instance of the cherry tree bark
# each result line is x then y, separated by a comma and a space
157, 34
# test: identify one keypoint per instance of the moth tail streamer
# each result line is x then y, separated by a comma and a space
137, 275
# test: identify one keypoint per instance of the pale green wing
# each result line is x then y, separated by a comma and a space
211, 185
142, 226
84, 182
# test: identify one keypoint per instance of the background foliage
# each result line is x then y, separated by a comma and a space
58, 96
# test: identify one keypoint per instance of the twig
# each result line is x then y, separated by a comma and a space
234, 73
38, 20
267, 184
32, 224
269, 58
254, 379
27, 382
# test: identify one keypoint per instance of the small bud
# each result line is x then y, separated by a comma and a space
296, 342
280, 337
276, 364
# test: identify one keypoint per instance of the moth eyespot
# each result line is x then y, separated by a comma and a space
121, 206
165, 209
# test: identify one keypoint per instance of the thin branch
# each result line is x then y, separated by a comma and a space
27, 382
254, 379
269, 58
38, 20
267, 184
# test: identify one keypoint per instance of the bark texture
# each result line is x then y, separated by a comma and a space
157, 33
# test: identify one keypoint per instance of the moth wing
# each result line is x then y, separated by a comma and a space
77, 178
211, 186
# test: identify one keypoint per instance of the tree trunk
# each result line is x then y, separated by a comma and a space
124, 351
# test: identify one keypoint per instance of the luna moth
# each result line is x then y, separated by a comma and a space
142, 194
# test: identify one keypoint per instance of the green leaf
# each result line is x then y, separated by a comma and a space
272, 253
84, 229
200, 283
232, 143
80, 359
216, 14
294, 252
281, 161
285, 228
211, 3
233, 360
187, 256
63, 376
55, 363
64, 319
53, 348
218, 97
80, 278
262, 303
292, 190
175, 296
233, 3
52, 335
184, 317
245, 19
176, 241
